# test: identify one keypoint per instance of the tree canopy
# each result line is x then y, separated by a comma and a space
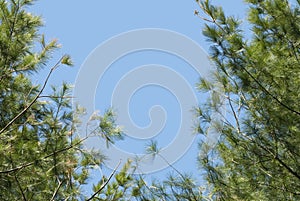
40, 156
257, 156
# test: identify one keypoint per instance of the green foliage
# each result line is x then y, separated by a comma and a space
257, 157
40, 156
118, 189
258, 154
128, 186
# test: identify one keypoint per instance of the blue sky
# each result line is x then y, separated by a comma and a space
80, 26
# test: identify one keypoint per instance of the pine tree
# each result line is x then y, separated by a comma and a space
40, 156
258, 154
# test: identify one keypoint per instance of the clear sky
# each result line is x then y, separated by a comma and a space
81, 26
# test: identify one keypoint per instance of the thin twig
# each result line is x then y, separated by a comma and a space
49, 96
105, 184
269, 93
276, 157
235, 115
20, 187
56, 190
179, 173
34, 100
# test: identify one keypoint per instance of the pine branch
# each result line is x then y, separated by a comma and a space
235, 115
180, 174
35, 99
56, 190
105, 184
270, 94
214, 21
20, 187
43, 158
276, 157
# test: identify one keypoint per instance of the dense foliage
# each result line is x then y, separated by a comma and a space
257, 156
40, 156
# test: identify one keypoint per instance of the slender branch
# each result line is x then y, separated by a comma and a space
43, 158
169, 164
5, 18
34, 100
212, 20
287, 167
20, 187
178, 172
235, 115
67, 198
269, 93
105, 184
149, 188
56, 190
15, 19
204, 18
49, 96
276, 157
